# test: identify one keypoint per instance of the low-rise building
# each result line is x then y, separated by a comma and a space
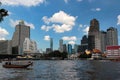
5, 47
113, 52
29, 46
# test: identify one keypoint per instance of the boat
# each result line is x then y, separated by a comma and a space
10, 65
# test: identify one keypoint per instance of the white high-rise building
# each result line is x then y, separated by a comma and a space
29, 46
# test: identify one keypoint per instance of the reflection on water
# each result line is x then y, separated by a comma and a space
64, 70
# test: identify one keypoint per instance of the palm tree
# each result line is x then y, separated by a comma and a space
3, 13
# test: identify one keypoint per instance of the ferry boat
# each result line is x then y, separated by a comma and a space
12, 65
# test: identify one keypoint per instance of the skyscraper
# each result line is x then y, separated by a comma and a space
112, 36
84, 40
64, 48
51, 44
61, 45
84, 44
94, 35
103, 41
21, 32
69, 49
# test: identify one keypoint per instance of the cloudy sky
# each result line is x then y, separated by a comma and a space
59, 19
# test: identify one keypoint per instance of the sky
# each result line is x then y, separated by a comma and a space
59, 19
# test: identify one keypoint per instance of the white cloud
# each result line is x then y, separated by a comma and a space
118, 22
46, 20
46, 28
71, 38
27, 3
13, 23
96, 9
71, 42
61, 17
80, 25
66, 1
62, 28
47, 38
79, 0
3, 33
60, 21
86, 30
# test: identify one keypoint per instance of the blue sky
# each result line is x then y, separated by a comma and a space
59, 19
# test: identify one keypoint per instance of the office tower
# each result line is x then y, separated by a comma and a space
29, 46
51, 44
84, 44
94, 35
21, 32
69, 49
64, 48
84, 40
5, 47
76, 48
103, 41
61, 45
112, 36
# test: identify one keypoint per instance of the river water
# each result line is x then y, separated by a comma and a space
64, 70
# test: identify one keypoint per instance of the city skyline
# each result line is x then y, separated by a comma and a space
63, 19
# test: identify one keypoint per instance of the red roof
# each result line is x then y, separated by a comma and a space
112, 47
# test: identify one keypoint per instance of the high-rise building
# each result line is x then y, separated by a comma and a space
21, 32
112, 36
61, 45
76, 48
51, 44
84, 40
84, 44
64, 48
103, 41
30, 46
94, 35
69, 49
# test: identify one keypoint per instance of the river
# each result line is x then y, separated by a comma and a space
64, 70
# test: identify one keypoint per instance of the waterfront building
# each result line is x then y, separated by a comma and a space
51, 44
69, 49
103, 41
5, 47
48, 50
61, 45
112, 36
94, 40
84, 40
21, 32
29, 46
64, 48
81, 49
113, 52
84, 44
75, 48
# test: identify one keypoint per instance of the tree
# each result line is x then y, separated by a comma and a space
3, 13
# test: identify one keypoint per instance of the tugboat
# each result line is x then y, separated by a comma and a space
12, 65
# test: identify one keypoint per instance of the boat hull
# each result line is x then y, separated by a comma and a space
16, 66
